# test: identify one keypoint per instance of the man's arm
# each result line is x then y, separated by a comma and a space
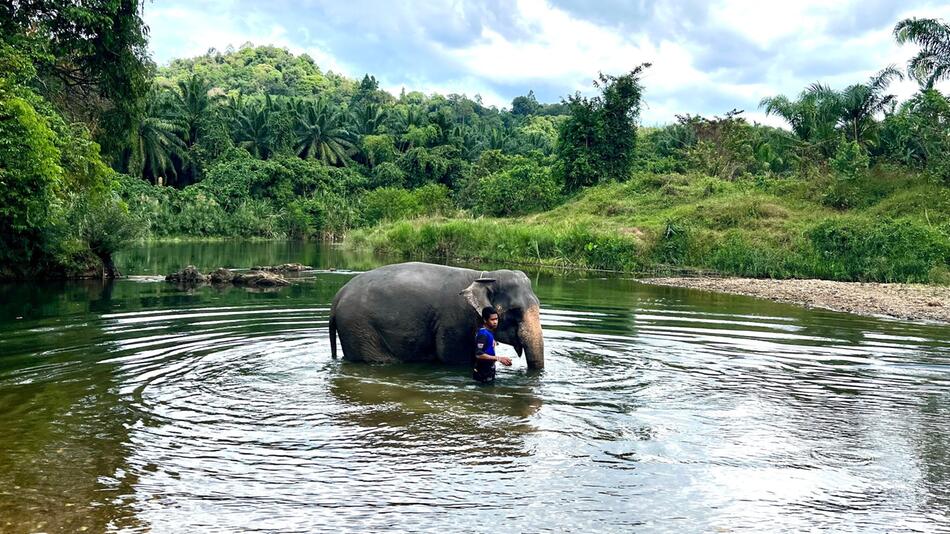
481, 341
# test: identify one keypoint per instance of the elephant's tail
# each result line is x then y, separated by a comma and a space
333, 336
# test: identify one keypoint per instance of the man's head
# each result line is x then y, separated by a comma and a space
490, 317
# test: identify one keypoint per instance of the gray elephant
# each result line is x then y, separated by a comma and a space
424, 312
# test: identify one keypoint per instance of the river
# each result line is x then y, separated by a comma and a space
139, 406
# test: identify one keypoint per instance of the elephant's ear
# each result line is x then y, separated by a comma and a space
477, 294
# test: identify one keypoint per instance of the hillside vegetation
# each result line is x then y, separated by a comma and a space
100, 147
759, 227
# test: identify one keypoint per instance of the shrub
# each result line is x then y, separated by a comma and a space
296, 221
389, 204
102, 224
850, 166
388, 175
524, 188
198, 214
902, 250
674, 244
253, 218
433, 199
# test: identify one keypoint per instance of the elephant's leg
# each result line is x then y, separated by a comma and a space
362, 343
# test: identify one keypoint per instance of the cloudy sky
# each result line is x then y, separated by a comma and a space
708, 56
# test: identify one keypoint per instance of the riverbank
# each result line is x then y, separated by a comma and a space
768, 228
914, 302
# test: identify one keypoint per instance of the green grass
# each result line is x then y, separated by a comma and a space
899, 230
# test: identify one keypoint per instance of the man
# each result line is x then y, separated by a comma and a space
485, 348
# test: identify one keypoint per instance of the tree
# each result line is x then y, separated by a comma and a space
254, 128
192, 104
91, 58
813, 117
932, 63
858, 103
525, 105
368, 119
321, 134
30, 175
597, 140
820, 110
156, 140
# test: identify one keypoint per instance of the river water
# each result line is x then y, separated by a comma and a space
139, 406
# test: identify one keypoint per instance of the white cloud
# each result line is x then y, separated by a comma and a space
191, 31
561, 50
747, 49
765, 22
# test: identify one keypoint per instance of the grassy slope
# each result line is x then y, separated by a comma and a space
898, 231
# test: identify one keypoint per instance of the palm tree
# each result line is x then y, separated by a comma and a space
858, 103
321, 134
157, 140
412, 116
812, 117
253, 128
368, 119
932, 63
192, 103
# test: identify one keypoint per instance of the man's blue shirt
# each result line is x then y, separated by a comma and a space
484, 342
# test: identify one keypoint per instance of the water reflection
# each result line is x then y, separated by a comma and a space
64, 457
427, 412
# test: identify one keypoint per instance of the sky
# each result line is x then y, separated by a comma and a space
708, 57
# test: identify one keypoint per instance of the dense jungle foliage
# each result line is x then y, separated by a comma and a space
99, 147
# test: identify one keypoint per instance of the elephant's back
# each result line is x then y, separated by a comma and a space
402, 288
404, 282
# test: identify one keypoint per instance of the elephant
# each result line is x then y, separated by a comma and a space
409, 312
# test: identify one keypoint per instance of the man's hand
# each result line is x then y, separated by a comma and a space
504, 360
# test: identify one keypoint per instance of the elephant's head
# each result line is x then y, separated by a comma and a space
519, 312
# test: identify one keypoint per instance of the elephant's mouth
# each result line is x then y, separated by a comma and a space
519, 348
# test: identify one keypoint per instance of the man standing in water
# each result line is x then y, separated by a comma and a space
485, 348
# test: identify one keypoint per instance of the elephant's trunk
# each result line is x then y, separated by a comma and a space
530, 336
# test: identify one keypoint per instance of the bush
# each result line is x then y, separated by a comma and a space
850, 166
253, 218
196, 213
433, 199
392, 203
296, 221
388, 175
902, 250
524, 188
674, 245
389, 204
102, 225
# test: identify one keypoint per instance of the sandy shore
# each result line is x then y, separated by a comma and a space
903, 301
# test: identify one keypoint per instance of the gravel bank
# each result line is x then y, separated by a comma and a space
902, 301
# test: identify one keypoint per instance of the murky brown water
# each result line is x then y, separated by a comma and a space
137, 406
